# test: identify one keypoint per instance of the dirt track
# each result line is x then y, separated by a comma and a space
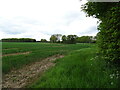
24, 76
16, 54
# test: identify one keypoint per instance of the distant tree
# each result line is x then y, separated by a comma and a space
58, 37
55, 38
94, 39
85, 39
43, 40
64, 39
71, 39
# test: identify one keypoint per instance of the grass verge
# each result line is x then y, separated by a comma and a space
80, 69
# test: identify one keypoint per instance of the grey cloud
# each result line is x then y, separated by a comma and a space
46, 33
27, 36
90, 30
56, 31
28, 20
72, 16
15, 25
9, 29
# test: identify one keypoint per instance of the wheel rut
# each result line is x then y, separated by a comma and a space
24, 76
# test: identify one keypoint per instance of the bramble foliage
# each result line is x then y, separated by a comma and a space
108, 37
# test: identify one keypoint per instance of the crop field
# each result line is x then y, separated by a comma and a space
76, 65
34, 52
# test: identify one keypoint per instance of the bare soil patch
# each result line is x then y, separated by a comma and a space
24, 76
16, 54
9, 48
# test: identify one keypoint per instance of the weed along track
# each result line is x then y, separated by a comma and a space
24, 76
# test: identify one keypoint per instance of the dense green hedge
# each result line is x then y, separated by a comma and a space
110, 35
109, 27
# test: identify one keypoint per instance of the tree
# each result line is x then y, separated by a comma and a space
64, 39
58, 37
43, 40
85, 39
55, 38
71, 39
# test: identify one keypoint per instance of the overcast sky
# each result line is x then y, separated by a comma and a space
41, 18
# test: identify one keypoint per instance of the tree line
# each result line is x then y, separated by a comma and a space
18, 40
72, 39
56, 38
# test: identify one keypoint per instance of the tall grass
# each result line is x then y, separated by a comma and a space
80, 69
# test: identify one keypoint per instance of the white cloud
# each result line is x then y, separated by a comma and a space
42, 18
